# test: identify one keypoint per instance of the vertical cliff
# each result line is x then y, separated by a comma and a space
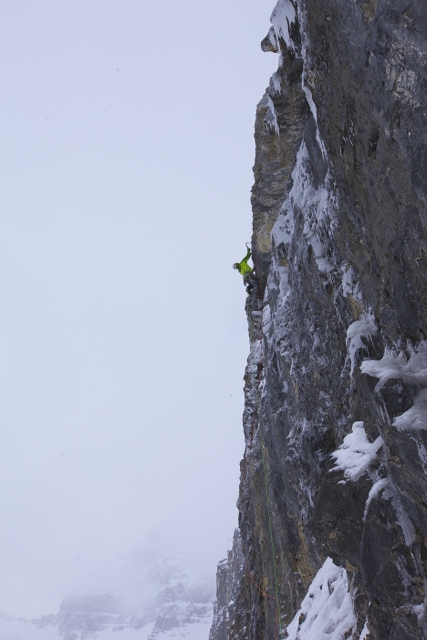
333, 493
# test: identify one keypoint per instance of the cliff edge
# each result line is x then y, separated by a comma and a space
333, 493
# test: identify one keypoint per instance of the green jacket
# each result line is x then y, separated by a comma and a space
243, 266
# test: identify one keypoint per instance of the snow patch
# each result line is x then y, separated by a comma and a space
283, 16
365, 327
365, 632
327, 611
356, 453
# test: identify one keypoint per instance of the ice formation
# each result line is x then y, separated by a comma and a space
283, 16
363, 328
410, 369
397, 365
356, 453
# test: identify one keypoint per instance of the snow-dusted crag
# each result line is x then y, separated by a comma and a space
333, 493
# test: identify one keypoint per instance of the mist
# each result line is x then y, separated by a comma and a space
126, 154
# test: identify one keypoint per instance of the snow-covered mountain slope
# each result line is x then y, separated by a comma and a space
169, 599
16, 629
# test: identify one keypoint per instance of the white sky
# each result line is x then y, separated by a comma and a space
126, 148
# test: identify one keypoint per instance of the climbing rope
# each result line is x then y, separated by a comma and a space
264, 465
267, 595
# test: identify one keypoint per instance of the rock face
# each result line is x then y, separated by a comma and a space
333, 493
232, 585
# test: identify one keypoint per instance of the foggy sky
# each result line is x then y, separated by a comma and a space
126, 152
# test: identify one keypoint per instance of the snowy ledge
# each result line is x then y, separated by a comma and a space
411, 368
327, 611
356, 453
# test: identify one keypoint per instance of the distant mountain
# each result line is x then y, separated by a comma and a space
163, 598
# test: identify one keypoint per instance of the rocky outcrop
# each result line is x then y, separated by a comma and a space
231, 584
333, 493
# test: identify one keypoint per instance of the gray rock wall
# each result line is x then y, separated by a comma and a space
232, 577
333, 493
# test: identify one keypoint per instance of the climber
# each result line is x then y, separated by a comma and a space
246, 271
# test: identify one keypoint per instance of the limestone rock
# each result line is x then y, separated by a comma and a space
333, 492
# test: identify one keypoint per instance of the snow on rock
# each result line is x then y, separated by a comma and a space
403, 519
316, 204
356, 453
306, 75
409, 367
271, 116
275, 83
416, 416
327, 611
363, 328
283, 16
348, 286
399, 366
378, 486
313, 109
365, 632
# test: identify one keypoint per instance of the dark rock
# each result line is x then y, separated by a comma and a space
231, 588
337, 333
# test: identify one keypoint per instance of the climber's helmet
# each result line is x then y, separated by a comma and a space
236, 265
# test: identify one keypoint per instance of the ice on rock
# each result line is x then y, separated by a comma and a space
363, 328
283, 16
347, 281
275, 82
403, 519
356, 453
317, 204
376, 488
416, 416
271, 116
327, 611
